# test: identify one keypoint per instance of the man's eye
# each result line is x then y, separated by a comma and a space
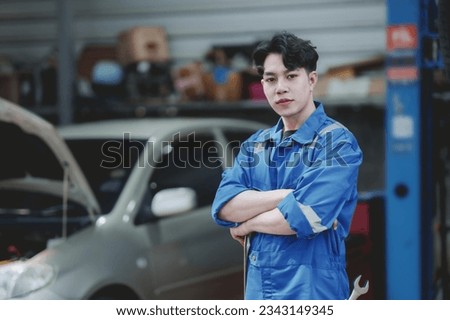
291, 76
269, 79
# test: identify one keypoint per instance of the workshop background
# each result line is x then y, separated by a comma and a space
79, 42
80, 61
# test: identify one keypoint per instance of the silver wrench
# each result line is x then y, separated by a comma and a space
358, 290
246, 252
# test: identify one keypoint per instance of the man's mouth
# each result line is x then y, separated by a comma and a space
283, 101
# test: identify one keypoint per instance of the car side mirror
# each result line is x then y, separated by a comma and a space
168, 202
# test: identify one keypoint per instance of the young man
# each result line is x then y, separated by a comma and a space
292, 188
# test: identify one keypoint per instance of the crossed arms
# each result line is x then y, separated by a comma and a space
313, 205
256, 211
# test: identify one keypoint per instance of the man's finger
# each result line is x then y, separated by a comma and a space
237, 238
335, 224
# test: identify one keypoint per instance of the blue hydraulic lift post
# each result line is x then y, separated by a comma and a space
409, 183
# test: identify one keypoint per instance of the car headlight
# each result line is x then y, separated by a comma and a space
21, 278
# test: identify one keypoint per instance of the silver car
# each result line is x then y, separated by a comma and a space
120, 210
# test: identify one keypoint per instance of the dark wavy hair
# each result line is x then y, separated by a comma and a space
296, 52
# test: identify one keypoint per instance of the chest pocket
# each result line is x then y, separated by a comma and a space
307, 156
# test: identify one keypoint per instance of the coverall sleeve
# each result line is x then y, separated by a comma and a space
327, 189
234, 181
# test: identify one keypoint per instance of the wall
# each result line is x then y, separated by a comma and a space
343, 30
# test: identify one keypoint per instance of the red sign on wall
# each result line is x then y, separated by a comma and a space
401, 37
406, 73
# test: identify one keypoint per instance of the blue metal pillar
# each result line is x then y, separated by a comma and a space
409, 184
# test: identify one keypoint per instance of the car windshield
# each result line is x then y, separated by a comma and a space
107, 164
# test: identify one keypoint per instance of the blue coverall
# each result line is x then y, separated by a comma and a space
320, 162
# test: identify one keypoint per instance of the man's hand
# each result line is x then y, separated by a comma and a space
239, 233
270, 222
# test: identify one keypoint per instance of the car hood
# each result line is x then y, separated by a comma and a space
35, 157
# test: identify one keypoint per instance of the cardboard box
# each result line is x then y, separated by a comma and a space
377, 86
360, 86
352, 70
231, 90
189, 82
143, 44
321, 88
361, 79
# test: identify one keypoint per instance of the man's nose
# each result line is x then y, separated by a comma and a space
281, 86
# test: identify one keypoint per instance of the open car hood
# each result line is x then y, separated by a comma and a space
35, 157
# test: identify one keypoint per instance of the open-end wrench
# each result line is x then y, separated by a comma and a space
246, 253
358, 290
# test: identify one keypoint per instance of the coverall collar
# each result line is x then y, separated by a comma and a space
305, 134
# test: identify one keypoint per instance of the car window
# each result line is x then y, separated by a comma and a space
191, 161
107, 164
235, 139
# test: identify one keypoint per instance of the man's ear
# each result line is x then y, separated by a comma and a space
313, 78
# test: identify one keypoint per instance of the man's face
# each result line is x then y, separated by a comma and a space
289, 92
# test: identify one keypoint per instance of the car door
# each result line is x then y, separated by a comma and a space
191, 257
